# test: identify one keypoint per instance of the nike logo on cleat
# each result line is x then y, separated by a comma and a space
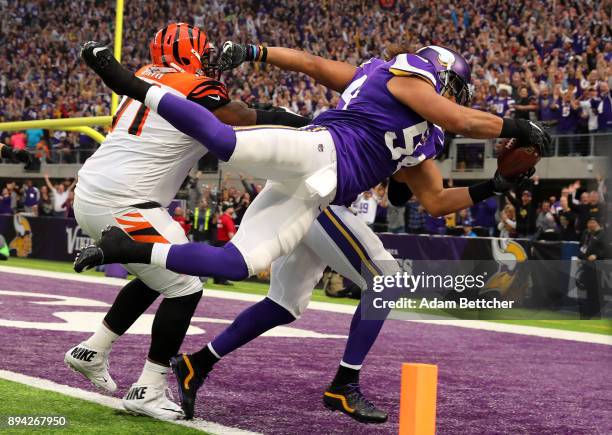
83, 354
172, 410
136, 393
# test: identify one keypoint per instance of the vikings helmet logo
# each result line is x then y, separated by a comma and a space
22, 243
445, 57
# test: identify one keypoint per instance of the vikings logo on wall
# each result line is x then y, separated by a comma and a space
22, 242
511, 280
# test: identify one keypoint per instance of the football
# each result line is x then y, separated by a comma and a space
514, 159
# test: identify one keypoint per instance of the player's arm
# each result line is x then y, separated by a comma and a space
333, 74
425, 182
420, 95
213, 95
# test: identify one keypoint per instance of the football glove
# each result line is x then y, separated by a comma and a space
519, 183
16, 156
232, 56
528, 133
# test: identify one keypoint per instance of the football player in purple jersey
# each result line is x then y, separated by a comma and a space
384, 125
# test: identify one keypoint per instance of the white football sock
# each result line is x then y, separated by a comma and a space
102, 339
153, 374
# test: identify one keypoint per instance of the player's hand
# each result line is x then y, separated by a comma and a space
232, 56
534, 133
518, 183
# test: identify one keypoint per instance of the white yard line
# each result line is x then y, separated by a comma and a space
113, 402
585, 337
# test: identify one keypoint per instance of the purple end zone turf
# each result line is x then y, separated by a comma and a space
489, 382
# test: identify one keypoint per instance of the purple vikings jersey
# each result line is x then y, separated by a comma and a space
374, 133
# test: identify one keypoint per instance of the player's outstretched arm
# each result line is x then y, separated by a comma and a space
421, 97
333, 74
425, 182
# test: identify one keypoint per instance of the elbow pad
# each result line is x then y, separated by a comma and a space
399, 193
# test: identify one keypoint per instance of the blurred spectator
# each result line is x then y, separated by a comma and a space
226, 229
5, 202
483, 214
525, 106
31, 197
241, 208
415, 217
592, 248
204, 219
526, 213
179, 216
45, 205
507, 222
365, 207
396, 218
468, 229
59, 196
545, 223
68, 205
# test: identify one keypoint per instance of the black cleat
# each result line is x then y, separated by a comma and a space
349, 400
109, 249
189, 380
100, 59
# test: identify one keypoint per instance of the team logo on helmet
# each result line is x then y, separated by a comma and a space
184, 48
445, 57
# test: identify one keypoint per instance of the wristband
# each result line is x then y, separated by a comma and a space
510, 128
256, 53
481, 191
398, 193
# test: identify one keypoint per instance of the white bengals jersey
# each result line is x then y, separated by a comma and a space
144, 158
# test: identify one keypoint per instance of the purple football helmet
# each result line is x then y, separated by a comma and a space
453, 71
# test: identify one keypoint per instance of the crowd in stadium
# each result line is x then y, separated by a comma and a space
522, 64
212, 214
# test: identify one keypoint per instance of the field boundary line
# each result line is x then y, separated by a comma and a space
559, 334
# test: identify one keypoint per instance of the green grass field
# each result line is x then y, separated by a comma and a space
82, 416
90, 418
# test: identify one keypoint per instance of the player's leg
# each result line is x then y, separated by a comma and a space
347, 245
182, 294
292, 279
274, 224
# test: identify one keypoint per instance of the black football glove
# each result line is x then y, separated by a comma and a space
232, 55
518, 183
533, 133
122, 81
16, 156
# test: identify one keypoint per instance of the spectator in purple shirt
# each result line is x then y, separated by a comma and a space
484, 214
5, 202
604, 120
569, 111
31, 196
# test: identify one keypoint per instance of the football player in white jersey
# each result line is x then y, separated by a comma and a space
128, 182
